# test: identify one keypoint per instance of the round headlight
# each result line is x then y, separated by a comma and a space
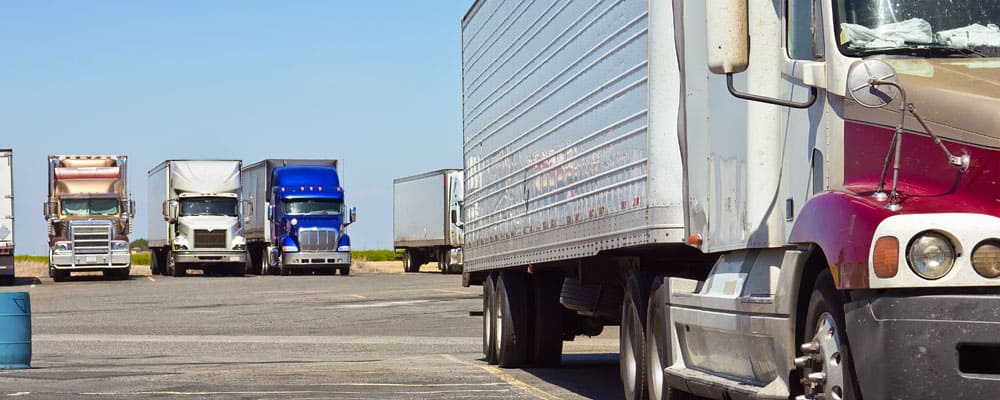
931, 255
986, 259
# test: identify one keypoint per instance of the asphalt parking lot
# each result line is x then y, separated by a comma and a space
376, 334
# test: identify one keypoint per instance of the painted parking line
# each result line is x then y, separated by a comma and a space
509, 379
151, 279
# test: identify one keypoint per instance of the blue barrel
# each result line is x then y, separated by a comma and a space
15, 330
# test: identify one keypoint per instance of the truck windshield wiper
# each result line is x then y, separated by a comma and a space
923, 51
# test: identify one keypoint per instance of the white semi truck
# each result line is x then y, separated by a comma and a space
7, 271
426, 223
773, 199
200, 220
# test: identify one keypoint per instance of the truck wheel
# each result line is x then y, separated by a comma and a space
409, 263
632, 338
172, 268
658, 345
284, 271
122, 274
826, 358
154, 266
344, 271
546, 348
265, 262
442, 260
489, 318
511, 319
58, 275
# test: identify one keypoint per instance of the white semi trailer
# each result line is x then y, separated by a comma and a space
200, 220
728, 182
426, 223
7, 271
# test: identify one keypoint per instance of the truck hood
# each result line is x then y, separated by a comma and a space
958, 98
207, 222
326, 221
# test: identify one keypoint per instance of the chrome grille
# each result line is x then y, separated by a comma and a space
92, 237
317, 239
204, 239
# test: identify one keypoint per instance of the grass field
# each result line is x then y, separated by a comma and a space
380, 262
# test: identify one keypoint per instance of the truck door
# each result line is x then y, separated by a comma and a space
806, 128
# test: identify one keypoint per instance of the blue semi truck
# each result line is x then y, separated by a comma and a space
300, 225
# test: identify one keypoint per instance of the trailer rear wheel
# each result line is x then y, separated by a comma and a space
546, 348
489, 319
632, 338
658, 345
443, 257
512, 319
409, 262
154, 265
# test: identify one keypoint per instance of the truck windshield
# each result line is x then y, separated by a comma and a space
85, 207
928, 28
209, 206
313, 207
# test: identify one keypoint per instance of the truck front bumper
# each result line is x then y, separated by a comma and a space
926, 347
90, 262
316, 259
209, 257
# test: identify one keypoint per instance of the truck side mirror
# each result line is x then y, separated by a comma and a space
728, 36
353, 216
48, 209
170, 210
728, 40
131, 208
270, 212
454, 216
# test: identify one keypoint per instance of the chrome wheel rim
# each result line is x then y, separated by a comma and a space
823, 372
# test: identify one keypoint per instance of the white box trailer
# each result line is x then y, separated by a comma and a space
197, 218
425, 219
7, 271
634, 163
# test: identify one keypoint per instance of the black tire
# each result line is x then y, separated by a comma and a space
265, 263
547, 329
408, 262
172, 268
826, 309
632, 337
58, 275
284, 271
489, 316
442, 260
154, 265
658, 345
344, 271
512, 319
120, 274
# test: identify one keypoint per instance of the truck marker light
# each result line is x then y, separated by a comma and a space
885, 257
311, 188
986, 259
320, 188
694, 239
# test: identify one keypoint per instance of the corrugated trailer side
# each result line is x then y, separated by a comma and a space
564, 156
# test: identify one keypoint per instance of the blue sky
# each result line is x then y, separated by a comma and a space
374, 84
